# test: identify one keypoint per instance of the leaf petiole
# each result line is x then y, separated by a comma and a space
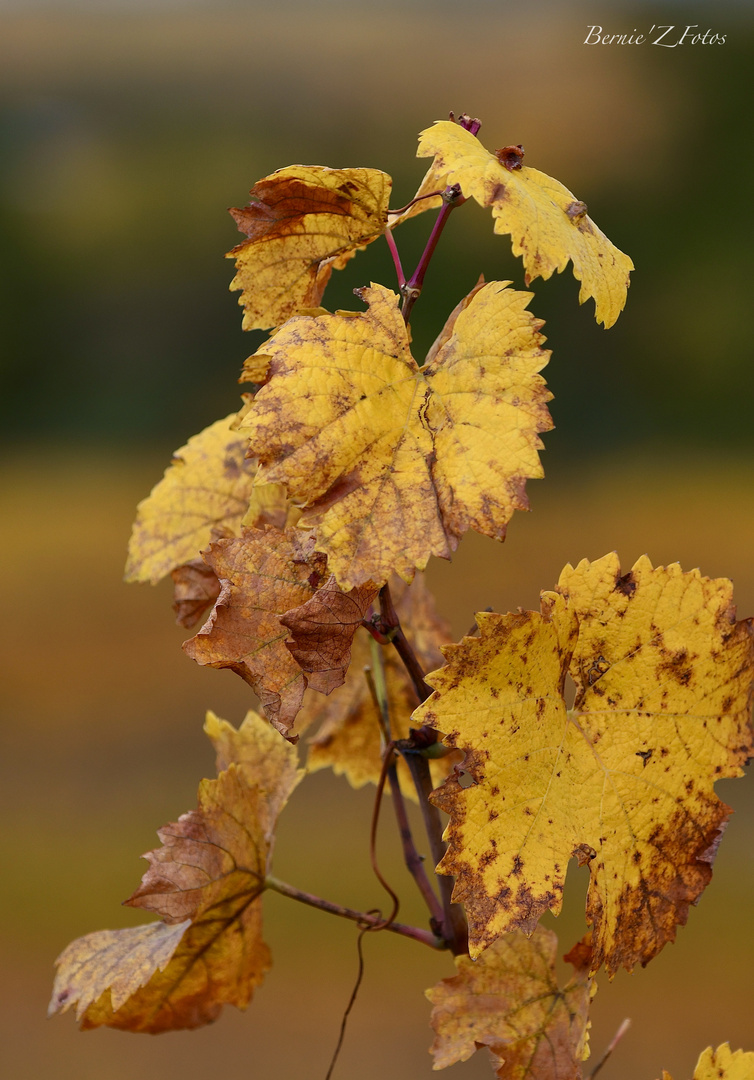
425, 937
411, 290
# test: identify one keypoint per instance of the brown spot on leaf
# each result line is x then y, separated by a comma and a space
576, 211
511, 157
583, 853
626, 584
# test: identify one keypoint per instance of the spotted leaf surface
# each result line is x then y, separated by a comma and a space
547, 224
303, 222
623, 782
509, 1001
391, 462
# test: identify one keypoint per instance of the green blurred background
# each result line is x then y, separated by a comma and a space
125, 132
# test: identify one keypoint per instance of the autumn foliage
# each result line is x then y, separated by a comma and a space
298, 526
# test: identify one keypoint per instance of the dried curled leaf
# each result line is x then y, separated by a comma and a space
509, 1001
206, 487
303, 222
205, 882
348, 739
322, 630
722, 1064
547, 224
623, 782
271, 581
393, 462
263, 573
195, 589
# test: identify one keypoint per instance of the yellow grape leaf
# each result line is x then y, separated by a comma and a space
205, 882
624, 781
509, 1001
303, 222
263, 574
348, 739
207, 486
722, 1064
392, 462
269, 505
547, 224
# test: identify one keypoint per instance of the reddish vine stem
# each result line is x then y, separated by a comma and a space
389, 750
416, 199
411, 857
396, 258
416, 933
411, 291
455, 929
389, 626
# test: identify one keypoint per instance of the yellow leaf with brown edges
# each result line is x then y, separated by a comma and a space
303, 222
547, 224
348, 739
206, 487
722, 1064
624, 781
391, 462
509, 1001
205, 882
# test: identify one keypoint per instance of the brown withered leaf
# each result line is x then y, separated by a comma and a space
263, 574
348, 739
195, 589
322, 631
624, 781
205, 882
509, 1001
206, 487
303, 222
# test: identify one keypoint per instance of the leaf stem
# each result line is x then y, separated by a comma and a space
455, 930
390, 627
411, 857
411, 290
425, 937
396, 258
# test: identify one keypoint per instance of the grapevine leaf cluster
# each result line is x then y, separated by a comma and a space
299, 526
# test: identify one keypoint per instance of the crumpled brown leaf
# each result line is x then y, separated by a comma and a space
509, 1001
348, 738
268, 577
205, 882
322, 631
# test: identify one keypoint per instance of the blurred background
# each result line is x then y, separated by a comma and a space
126, 130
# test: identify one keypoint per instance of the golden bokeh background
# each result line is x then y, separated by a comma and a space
126, 131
